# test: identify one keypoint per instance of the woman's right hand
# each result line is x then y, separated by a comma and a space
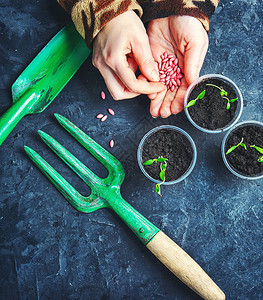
119, 49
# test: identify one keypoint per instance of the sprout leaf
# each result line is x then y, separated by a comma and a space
158, 189
162, 175
231, 149
201, 95
190, 103
260, 150
148, 162
161, 159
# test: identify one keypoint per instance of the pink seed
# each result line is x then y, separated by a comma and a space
111, 143
169, 71
173, 81
102, 94
99, 116
111, 111
104, 118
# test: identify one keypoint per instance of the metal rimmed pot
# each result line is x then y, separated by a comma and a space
167, 141
213, 113
242, 148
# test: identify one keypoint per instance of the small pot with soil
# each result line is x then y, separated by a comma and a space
213, 103
242, 150
166, 155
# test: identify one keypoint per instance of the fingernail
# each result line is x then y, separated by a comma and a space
154, 117
155, 75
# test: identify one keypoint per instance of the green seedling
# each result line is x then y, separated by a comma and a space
192, 102
223, 94
260, 150
163, 166
237, 145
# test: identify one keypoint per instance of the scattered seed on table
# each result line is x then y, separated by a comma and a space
99, 116
111, 143
111, 111
102, 94
104, 118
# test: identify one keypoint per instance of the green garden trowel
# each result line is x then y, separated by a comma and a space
45, 77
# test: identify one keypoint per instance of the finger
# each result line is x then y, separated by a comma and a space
132, 64
177, 104
128, 78
165, 109
151, 96
115, 86
144, 58
156, 104
194, 57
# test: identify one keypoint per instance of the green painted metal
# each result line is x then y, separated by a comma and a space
105, 192
45, 77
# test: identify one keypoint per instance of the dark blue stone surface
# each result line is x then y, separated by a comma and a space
51, 251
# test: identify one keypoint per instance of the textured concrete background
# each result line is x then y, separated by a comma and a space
51, 251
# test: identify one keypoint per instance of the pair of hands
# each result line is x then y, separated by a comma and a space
123, 46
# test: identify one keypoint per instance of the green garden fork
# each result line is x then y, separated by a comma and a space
105, 192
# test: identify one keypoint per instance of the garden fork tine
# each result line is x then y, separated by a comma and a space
81, 203
114, 167
106, 193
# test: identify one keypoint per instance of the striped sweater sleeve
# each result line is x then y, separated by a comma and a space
90, 16
200, 9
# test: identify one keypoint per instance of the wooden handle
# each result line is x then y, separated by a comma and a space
184, 267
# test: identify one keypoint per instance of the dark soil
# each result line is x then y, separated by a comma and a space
172, 145
244, 161
210, 112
